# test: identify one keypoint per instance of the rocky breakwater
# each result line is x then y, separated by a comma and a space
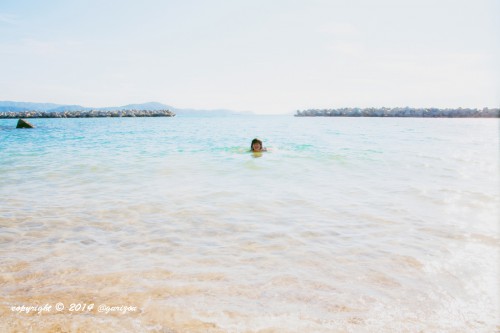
87, 114
401, 112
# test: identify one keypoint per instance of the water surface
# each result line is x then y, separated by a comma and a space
346, 225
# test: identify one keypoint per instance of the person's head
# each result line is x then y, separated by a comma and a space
256, 145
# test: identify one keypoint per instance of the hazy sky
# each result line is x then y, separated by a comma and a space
266, 56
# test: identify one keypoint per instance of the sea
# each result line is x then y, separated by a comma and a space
173, 225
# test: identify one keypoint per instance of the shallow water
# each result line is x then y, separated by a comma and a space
346, 225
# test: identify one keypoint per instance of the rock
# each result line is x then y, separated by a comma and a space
21, 123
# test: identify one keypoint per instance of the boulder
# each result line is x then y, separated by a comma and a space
21, 123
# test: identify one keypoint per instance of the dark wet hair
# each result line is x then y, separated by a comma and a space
255, 141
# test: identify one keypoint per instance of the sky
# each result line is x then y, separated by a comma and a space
264, 56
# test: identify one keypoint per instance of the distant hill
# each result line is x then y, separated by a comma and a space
26, 106
143, 106
9, 106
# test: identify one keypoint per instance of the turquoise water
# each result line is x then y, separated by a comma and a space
345, 225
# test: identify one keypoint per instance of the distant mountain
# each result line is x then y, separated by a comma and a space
63, 108
9, 106
144, 106
12, 109
177, 111
26, 106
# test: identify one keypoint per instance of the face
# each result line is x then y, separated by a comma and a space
256, 146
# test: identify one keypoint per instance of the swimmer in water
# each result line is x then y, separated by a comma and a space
256, 146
